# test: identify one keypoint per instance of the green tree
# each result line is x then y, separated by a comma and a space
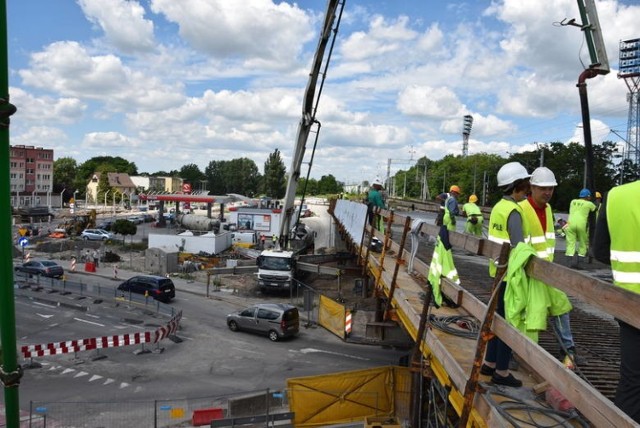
124, 228
214, 173
235, 176
64, 172
328, 185
191, 174
275, 183
102, 163
103, 188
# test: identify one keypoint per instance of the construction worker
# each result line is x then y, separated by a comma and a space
505, 225
539, 217
441, 198
451, 209
472, 211
374, 199
576, 229
598, 202
616, 242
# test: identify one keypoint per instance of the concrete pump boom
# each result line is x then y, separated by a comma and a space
309, 107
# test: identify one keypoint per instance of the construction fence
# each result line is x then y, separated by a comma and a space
185, 412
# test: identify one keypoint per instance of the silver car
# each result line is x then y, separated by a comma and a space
276, 320
96, 235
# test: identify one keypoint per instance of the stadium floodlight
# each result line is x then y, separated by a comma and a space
629, 58
467, 123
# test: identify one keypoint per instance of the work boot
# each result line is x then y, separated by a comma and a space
573, 355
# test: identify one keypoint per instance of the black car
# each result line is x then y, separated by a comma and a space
41, 267
158, 287
105, 225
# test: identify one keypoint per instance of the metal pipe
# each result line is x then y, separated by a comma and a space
11, 371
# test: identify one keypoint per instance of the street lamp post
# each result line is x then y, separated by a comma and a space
105, 199
61, 198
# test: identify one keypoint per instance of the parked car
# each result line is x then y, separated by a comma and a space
96, 235
158, 287
276, 320
41, 267
105, 225
135, 219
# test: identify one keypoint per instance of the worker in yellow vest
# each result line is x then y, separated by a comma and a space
505, 225
576, 230
539, 216
616, 242
472, 211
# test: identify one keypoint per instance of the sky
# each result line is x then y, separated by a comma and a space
166, 83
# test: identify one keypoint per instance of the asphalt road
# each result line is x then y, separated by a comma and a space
210, 361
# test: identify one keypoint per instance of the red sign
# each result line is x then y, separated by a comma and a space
186, 188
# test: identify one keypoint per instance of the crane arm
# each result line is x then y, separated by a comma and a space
309, 107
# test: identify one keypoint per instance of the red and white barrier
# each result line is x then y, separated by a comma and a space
115, 271
347, 323
30, 351
73, 265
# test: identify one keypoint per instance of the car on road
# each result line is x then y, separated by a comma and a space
276, 320
105, 225
158, 287
41, 267
135, 219
96, 235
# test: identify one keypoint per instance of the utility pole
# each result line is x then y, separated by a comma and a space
10, 371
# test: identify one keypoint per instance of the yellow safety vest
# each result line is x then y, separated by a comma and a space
543, 242
623, 219
498, 230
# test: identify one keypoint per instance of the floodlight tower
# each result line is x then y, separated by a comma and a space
630, 71
467, 123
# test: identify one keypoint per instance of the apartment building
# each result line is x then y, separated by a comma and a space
31, 175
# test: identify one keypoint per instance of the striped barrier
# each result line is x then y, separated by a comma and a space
347, 323
30, 351
73, 264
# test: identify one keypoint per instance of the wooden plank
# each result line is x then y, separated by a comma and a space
597, 408
600, 294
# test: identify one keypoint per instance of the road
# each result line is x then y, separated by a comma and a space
211, 360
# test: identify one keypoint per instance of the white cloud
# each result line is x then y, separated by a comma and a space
264, 33
123, 23
429, 102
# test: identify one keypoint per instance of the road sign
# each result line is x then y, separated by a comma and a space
23, 242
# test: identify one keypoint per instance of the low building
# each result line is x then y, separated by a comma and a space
120, 182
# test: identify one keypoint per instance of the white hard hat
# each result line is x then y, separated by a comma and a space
543, 177
511, 172
377, 181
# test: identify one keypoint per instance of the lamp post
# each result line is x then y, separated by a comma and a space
114, 201
49, 199
105, 199
61, 199
33, 198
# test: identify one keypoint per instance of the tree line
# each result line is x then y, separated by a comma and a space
241, 176
475, 174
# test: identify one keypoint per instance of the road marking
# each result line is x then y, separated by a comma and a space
313, 350
108, 381
65, 371
89, 322
95, 377
45, 305
43, 315
123, 385
55, 324
80, 374
92, 316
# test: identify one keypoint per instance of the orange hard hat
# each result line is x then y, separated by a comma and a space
455, 188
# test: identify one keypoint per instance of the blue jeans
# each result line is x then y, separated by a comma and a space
562, 326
